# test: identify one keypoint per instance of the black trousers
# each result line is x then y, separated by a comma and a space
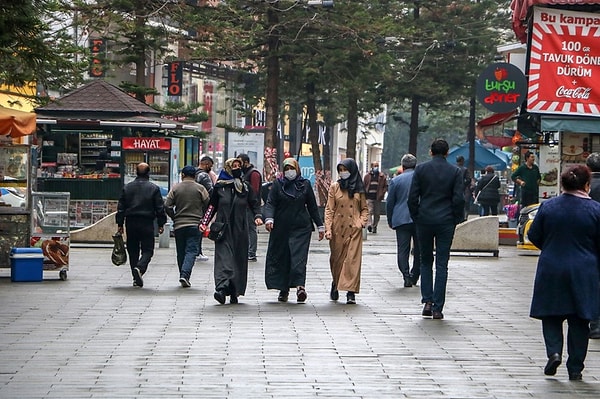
577, 339
140, 241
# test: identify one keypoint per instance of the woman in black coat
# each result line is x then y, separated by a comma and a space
230, 198
487, 193
567, 230
290, 211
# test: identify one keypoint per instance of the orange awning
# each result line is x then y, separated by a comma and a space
16, 123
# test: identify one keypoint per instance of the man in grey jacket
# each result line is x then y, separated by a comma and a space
399, 219
185, 205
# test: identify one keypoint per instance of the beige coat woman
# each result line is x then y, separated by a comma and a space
346, 214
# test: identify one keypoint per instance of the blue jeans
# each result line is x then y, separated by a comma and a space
186, 241
442, 235
404, 234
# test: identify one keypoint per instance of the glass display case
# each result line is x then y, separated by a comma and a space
14, 176
50, 231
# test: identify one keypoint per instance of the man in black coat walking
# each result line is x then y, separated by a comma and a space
436, 204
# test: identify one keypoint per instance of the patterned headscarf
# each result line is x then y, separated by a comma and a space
354, 183
292, 188
226, 175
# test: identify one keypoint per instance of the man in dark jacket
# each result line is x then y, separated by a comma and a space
376, 186
593, 162
254, 179
139, 205
436, 204
207, 178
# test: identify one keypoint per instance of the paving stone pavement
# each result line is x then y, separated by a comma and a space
96, 336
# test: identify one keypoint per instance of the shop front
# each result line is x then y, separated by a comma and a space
90, 141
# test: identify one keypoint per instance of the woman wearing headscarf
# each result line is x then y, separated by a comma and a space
290, 211
567, 230
346, 214
230, 198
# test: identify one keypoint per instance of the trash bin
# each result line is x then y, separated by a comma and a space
165, 237
26, 264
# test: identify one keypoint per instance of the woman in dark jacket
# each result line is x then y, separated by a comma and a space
230, 198
486, 192
290, 211
567, 230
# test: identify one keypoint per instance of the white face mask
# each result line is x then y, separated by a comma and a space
344, 175
290, 174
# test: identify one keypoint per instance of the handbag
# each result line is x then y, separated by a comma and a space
476, 201
119, 254
217, 231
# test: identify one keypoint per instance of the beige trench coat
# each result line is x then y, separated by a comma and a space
345, 218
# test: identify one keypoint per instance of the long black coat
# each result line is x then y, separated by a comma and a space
567, 229
231, 253
289, 241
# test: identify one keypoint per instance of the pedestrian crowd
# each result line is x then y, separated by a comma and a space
425, 203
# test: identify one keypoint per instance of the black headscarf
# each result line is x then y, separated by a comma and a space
292, 188
354, 183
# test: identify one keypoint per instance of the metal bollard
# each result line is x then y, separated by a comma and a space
165, 238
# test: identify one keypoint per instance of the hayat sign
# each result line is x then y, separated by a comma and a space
145, 143
564, 66
501, 87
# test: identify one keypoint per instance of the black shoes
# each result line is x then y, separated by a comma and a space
252, 259
553, 362
137, 277
350, 298
575, 376
334, 295
283, 296
185, 283
407, 283
437, 315
370, 229
219, 297
427, 309
233, 299
301, 295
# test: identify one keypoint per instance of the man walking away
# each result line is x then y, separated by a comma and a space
399, 219
467, 183
593, 162
436, 203
139, 205
376, 185
254, 179
185, 205
207, 178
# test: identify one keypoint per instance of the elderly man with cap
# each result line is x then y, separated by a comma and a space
185, 204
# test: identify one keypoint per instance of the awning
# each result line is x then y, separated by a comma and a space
573, 125
16, 123
497, 159
497, 119
520, 9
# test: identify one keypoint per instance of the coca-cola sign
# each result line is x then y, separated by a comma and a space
145, 143
564, 66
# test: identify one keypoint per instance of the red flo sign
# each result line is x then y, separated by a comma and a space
145, 143
97, 51
501, 87
175, 80
564, 66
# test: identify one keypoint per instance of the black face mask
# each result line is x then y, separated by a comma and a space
236, 173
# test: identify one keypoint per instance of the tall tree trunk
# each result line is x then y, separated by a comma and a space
313, 134
352, 126
471, 136
414, 125
140, 63
272, 98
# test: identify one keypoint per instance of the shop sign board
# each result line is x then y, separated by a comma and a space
564, 66
146, 143
501, 87
175, 79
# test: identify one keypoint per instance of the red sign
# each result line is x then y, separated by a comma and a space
564, 66
175, 81
208, 107
145, 143
97, 50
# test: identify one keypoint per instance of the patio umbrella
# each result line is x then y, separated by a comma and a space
16, 123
